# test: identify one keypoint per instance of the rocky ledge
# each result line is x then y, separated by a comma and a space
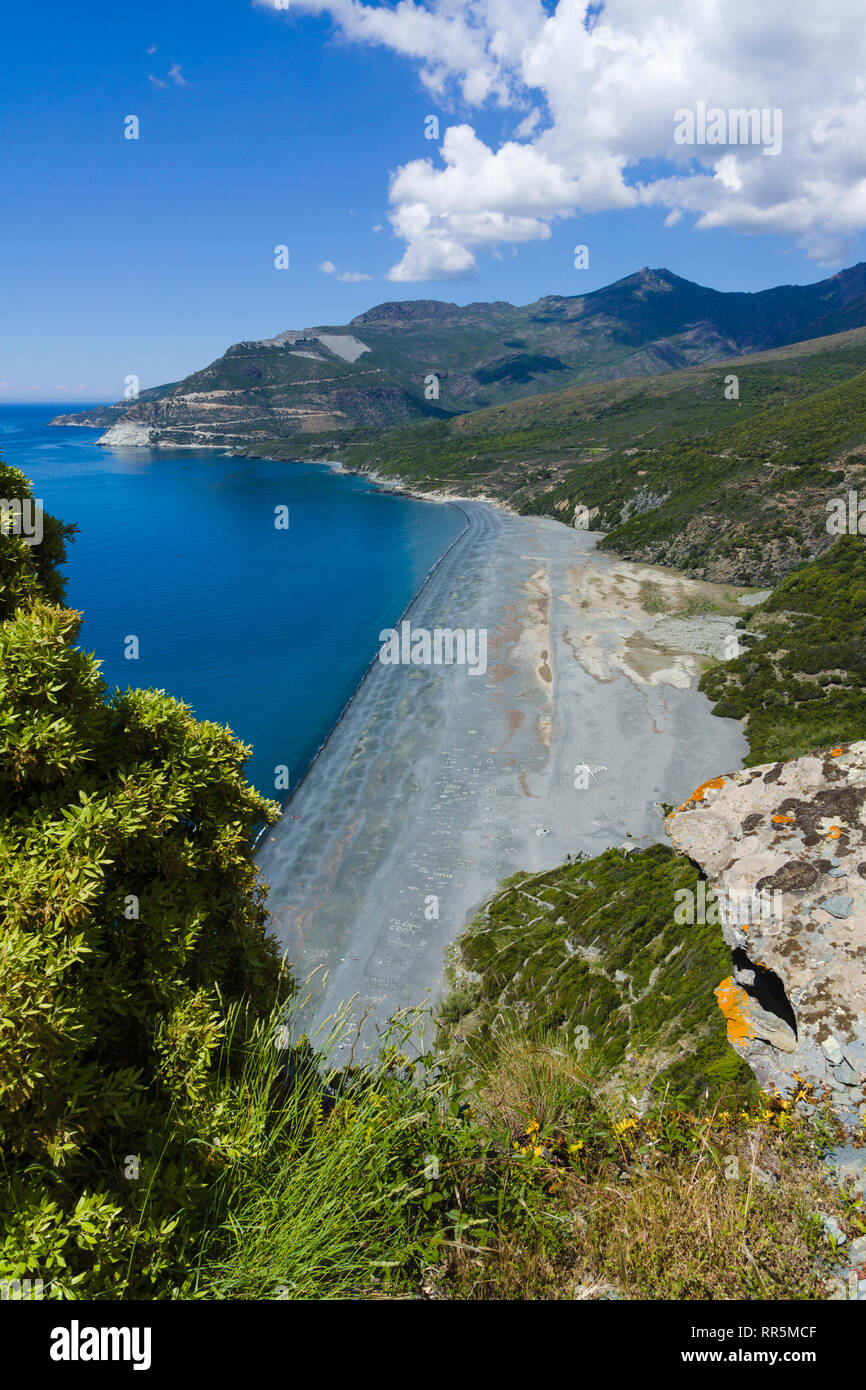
782, 846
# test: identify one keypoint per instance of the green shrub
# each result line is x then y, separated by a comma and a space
800, 682
132, 920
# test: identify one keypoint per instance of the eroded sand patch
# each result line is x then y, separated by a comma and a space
650, 624
532, 649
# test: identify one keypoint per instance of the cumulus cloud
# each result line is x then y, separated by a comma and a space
480, 198
603, 85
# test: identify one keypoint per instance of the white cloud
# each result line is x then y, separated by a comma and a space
480, 198
174, 75
348, 277
527, 125
602, 90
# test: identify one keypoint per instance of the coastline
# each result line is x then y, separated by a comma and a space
371, 667
428, 791
432, 786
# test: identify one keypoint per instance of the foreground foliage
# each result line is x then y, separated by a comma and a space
513, 1175
131, 920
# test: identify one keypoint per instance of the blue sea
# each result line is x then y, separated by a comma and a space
267, 630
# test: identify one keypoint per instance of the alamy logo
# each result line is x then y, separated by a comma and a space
737, 126
77, 1343
13, 1290
444, 646
846, 518
22, 517
729, 906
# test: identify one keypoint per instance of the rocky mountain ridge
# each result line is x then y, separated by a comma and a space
407, 361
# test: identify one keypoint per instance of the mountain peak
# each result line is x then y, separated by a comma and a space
659, 278
379, 365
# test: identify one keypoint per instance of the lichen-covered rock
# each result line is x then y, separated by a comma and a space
784, 848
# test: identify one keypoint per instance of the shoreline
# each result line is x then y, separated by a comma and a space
387, 482
431, 787
374, 661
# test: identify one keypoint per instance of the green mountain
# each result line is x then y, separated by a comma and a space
676, 469
378, 370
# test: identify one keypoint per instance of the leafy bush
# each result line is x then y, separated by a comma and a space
132, 920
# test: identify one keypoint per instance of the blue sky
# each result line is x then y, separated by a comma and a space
261, 128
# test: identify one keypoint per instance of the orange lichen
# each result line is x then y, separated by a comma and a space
699, 792
834, 832
733, 1003
782, 820
835, 752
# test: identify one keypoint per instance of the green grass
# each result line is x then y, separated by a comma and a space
513, 1171
593, 945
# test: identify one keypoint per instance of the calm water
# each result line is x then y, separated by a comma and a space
268, 631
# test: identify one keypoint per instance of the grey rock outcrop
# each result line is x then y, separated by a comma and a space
782, 846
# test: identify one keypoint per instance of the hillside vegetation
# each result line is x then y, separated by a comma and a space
379, 370
801, 682
593, 945
673, 471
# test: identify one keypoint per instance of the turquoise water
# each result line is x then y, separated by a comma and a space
266, 630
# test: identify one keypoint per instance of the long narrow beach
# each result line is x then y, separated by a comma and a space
437, 784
